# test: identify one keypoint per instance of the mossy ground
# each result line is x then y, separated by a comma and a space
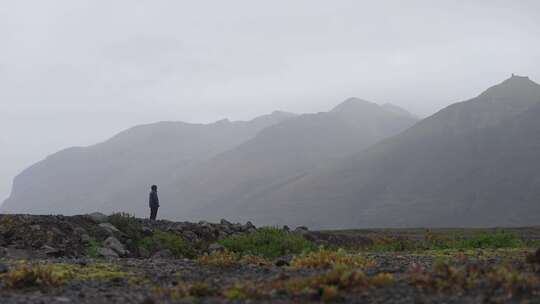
493, 270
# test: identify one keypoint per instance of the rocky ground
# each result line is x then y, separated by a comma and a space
100, 259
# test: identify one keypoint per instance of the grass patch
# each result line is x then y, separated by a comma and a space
268, 242
127, 223
219, 259
324, 259
496, 240
446, 277
54, 275
26, 276
160, 240
92, 248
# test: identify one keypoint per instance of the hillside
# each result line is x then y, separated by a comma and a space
474, 163
115, 175
233, 180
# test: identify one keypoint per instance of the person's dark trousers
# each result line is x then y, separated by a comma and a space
153, 213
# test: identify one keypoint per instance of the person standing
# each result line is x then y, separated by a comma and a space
153, 201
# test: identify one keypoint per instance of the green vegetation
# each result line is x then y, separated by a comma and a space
268, 242
54, 275
32, 276
228, 258
323, 259
446, 277
496, 240
92, 248
219, 259
160, 240
127, 223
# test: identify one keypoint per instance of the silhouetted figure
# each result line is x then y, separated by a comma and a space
153, 201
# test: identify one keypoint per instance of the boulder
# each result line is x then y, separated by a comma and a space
3, 268
3, 252
51, 251
98, 217
143, 253
114, 244
249, 225
109, 228
189, 235
106, 253
163, 254
215, 247
85, 238
225, 222
147, 231
301, 230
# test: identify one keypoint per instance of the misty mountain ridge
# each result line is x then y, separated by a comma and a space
474, 163
114, 175
458, 167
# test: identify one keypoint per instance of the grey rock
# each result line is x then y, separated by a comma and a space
215, 247
163, 254
85, 238
3, 268
143, 253
147, 231
35, 227
109, 227
114, 244
286, 228
189, 235
98, 217
51, 251
17, 254
106, 253
301, 230
225, 222
79, 231
249, 225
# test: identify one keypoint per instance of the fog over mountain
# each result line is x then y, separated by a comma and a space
72, 73
474, 163
205, 171
115, 175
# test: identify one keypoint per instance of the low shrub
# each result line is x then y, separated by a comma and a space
32, 276
268, 242
127, 223
160, 240
219, 259
92, 248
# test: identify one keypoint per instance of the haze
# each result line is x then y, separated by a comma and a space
76, 72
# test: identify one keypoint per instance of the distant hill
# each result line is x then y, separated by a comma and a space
115, 175
474, 163
204, 171
285, 151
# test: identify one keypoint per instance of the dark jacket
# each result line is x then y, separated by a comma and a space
153, 200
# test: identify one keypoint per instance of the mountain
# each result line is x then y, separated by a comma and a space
285, 151
474, 163
115, 175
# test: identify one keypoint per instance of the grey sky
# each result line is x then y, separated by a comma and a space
75, 72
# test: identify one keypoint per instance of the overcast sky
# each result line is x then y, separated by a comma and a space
75, 72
